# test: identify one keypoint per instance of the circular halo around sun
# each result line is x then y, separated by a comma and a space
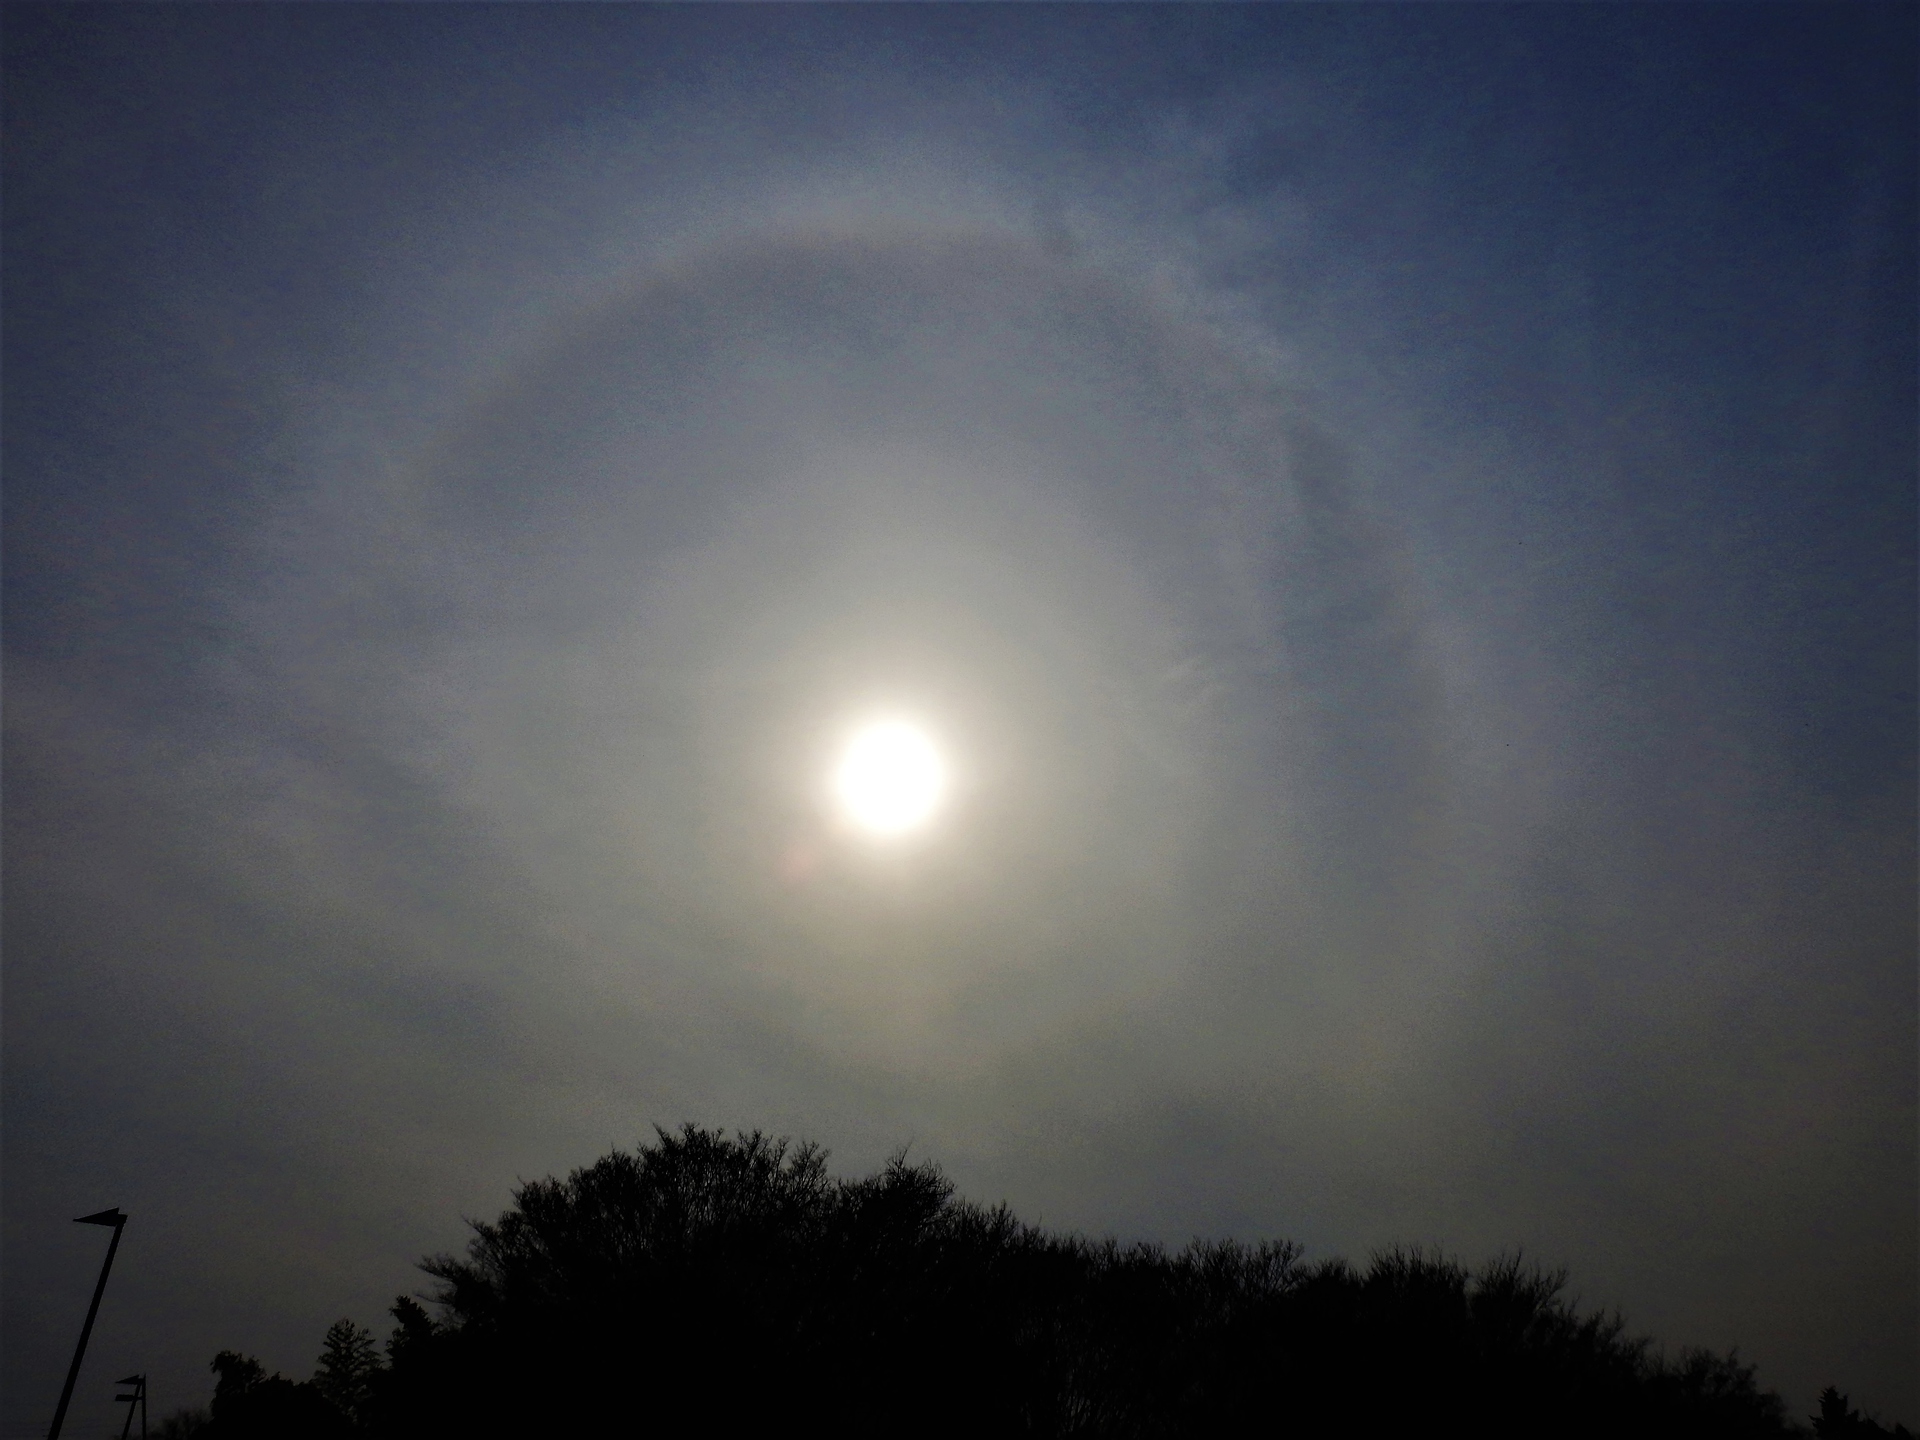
889, 779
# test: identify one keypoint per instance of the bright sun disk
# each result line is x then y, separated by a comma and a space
890, 778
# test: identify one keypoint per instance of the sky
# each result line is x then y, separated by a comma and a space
1398, 522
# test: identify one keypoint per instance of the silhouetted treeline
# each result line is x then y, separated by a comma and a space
731, 1286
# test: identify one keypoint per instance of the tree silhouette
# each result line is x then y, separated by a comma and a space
349, 1370
731, 1286
249, 1404
1838, 1420
183, 1424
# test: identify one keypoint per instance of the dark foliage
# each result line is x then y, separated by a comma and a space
183, 1424
1838, 1420
248, 1402
349, 1370
730, 1286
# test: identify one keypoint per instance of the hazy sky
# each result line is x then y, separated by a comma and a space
1400, 520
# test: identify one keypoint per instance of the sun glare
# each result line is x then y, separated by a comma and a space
890, 778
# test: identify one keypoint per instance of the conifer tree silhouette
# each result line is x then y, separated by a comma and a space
349, 1369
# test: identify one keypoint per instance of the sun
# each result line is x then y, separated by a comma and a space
890, 779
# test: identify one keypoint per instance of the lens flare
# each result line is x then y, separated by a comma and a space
890, 778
